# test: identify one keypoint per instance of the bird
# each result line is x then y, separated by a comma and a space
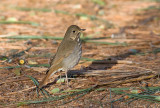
68, 54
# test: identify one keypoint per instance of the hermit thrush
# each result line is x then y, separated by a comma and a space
68, 54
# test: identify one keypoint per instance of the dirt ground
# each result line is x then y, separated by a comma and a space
121, 46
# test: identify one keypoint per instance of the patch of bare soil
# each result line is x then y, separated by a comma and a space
121, 48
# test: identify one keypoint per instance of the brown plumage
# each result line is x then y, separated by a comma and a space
67, 55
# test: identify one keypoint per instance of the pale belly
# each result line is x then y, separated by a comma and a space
73, 58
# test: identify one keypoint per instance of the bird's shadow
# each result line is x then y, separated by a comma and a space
93, 66
101, 66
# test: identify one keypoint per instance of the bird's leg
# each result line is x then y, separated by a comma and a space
67, 78
60, 77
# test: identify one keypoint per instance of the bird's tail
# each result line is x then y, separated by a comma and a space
52, 71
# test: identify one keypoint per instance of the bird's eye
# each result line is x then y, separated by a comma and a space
73, 31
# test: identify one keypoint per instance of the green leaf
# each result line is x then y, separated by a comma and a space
33, 65
3, 58
33, 9
157, 98
34, 37
33, 79
99, 2
63, 12
12, 19
17, 72
21, 103
88, 59
134, 91
62, 80
20, 22
55, 90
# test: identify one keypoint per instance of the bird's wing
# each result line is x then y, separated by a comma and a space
51, 60
64, 50
58, 59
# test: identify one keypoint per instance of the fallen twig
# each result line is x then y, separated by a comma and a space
127, 81
7, 35
112, 62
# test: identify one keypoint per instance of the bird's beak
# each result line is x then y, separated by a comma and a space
83, 29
